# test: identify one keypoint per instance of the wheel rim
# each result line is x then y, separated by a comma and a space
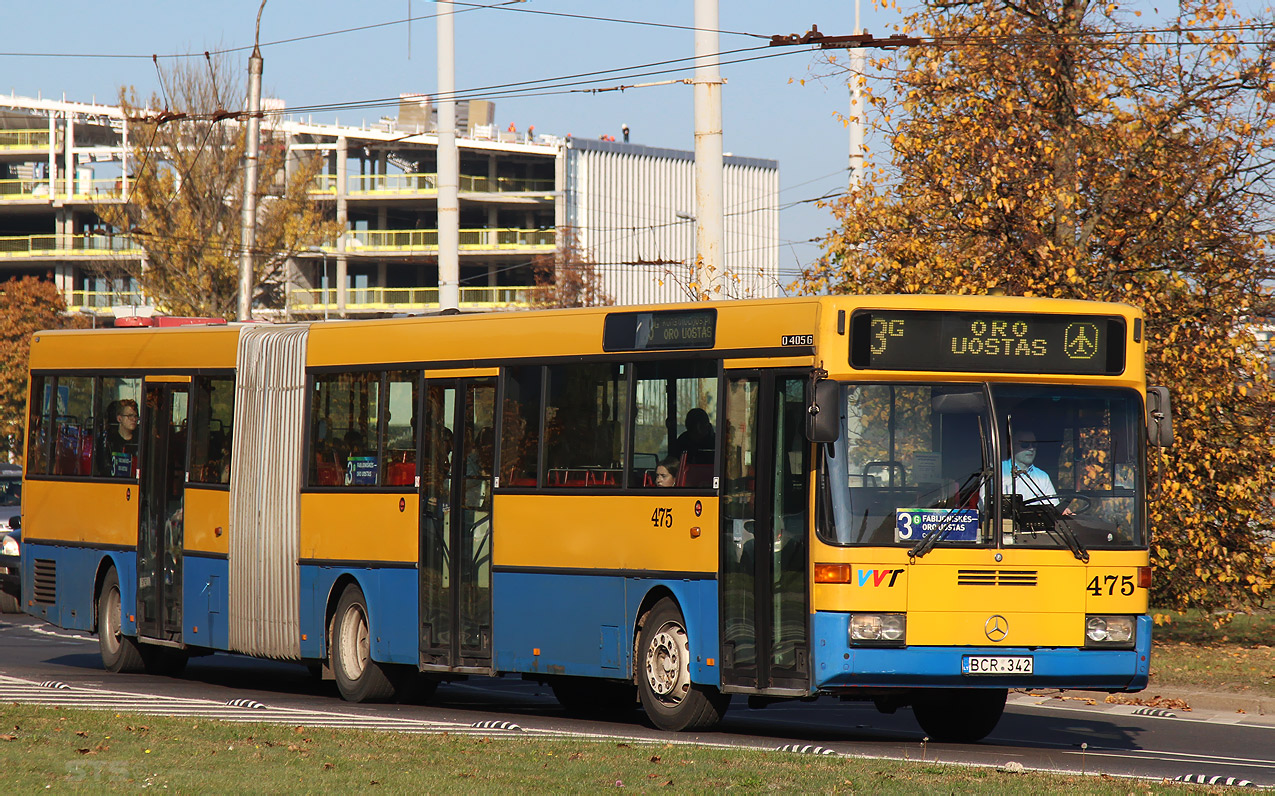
355, 647
110, 632
668, 664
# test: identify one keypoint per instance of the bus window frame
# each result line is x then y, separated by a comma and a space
631, 364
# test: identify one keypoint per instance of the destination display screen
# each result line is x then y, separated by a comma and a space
644, 331
994, 342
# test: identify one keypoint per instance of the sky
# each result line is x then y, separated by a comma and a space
766, 111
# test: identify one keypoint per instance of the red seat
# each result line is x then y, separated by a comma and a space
327, 475
401, 474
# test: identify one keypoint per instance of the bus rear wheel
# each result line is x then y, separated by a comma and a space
120, 653
960, 716
358, 677
670, 699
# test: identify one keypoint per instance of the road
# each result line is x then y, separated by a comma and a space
39, 663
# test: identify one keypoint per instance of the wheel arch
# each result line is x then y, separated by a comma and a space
698, 607
344, 580
105, 565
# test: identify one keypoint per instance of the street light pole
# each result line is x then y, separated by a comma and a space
248, 220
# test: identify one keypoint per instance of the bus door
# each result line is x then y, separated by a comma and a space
764, 615
160, 526
457, 438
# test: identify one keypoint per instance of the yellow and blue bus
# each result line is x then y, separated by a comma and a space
915, 500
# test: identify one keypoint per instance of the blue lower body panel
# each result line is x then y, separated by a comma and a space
840, 667
76, 570
205, 621
562, 624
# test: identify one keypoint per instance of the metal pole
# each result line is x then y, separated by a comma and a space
709, 170
448, 164
248, 221
856, 108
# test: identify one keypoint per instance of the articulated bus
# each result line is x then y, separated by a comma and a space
918, 501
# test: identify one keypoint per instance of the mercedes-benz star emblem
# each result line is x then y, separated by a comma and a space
997, 627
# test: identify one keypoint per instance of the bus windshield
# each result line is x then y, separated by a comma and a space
916, 460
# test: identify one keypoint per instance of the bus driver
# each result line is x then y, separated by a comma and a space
1020, 475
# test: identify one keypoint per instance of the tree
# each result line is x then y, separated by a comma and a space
29, 305
568, 277
1051, 149
186, 197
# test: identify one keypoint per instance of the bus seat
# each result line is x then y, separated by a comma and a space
695, 475
326, 474
400, 474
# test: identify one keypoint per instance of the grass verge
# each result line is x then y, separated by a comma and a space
1189, 652
45, 749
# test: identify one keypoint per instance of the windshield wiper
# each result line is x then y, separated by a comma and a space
927, 543
1058, 525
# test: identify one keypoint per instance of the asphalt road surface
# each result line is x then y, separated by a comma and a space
43, 664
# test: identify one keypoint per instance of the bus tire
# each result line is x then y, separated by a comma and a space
120, 653
960, 715
358, 677
9, 604
668, 696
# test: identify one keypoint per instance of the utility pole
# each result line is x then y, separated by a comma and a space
710, 226
448, 164
248, 220
856, 108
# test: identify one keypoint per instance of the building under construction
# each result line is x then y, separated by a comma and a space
628, 209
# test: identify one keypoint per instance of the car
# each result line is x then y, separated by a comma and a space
10, 539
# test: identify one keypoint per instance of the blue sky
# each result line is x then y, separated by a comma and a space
767, 113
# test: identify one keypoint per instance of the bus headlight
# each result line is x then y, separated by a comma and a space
878, 629
1109, 631
9, 546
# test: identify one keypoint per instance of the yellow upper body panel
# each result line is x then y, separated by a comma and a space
177, 348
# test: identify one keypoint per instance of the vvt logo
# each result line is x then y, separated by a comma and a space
878, 576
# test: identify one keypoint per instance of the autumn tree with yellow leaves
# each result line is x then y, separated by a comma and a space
186, 197
1055, 148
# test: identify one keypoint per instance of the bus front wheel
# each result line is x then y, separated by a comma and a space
358, 677
669, 697
120, 653
960, 716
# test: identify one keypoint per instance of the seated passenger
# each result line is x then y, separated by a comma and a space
666, 472
697, 441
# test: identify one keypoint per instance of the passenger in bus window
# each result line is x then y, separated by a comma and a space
666, 472
120, 448
697, 441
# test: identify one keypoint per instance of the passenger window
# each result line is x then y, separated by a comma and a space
73, 426
584, 425
39, 425
520, 427
117, 427
345, 443
212, 422
398, 461
674, 415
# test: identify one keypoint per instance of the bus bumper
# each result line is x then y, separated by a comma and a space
840, 667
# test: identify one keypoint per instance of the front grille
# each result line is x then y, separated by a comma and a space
45, 585
996, 577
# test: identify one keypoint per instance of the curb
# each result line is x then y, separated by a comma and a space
1217, 705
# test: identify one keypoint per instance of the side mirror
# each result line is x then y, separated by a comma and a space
1159, 417
823, 420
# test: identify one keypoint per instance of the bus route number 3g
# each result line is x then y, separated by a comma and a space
1110, 585
662, 518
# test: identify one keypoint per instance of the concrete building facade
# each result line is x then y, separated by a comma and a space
630, 209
